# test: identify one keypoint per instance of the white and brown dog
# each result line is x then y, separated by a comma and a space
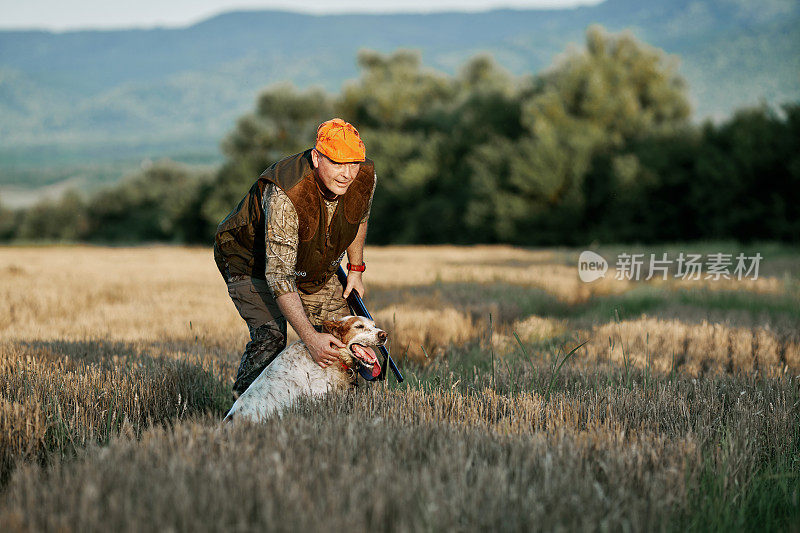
293, 373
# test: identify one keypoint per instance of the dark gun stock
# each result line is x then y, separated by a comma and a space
358, 308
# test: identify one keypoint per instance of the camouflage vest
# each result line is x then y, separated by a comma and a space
239, 245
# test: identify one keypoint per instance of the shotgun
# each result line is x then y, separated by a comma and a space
358, 308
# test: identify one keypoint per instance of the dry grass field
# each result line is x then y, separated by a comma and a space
680, 411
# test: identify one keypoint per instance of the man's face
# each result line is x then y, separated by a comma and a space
337, 177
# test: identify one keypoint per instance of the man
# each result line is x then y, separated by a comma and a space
279, 249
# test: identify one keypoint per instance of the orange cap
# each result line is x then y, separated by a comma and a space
340, 142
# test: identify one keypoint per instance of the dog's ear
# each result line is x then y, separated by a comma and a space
332, 327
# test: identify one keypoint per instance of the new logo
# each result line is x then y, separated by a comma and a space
591, 266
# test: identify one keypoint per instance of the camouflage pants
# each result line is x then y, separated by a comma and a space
267, 324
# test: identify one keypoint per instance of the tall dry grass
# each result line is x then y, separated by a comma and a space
52, 403
681, 411
421, 458
133, 295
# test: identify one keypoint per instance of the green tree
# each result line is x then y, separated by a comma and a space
8, 223
284, 123
748, 179
596, 99
419, 126
400, 110
736, 180
64, 219
394, 93
160, 203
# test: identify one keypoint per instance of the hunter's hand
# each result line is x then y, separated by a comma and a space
354, 282
323, 348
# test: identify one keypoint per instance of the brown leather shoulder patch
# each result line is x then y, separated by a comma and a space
357, 197
305, 198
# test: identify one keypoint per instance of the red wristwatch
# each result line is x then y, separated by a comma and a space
357, 268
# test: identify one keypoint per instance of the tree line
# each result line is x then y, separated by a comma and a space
599, 147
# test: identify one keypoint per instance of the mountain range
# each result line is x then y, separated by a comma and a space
81, 97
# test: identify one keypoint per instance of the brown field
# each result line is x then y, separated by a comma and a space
682, 410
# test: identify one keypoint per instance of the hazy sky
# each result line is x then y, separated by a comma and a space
79, 14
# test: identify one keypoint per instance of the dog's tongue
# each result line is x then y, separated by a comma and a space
368, 354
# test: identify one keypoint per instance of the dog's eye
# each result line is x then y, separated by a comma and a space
359, 326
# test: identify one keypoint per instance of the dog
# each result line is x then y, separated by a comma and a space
293, 373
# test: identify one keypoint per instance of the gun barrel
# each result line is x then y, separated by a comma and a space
357, 305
